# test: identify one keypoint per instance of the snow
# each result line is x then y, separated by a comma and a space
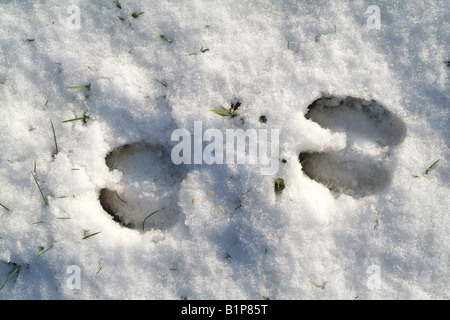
360, 220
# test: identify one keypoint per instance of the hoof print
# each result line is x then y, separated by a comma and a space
371, 131
146, 197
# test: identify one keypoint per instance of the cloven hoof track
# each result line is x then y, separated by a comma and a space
372, 132
150, 183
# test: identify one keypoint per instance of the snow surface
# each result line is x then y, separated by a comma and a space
221, 232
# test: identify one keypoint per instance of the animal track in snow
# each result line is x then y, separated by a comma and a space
371, 131
149, 184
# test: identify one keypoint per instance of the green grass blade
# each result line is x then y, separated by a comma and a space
163, 37
42, 251
224, 113
119, 197
4, 207
54, 136
309, 156
91, 235
9, 278
40, 190
238, 207
80, 87
314, 284
165, 85
143, 223
431, 167
136, 15
83, 118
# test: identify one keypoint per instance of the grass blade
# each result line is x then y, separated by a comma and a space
136, 15
119, 197
42, 251
80, 87
304, 157
12, 274
224, 113
40, 190
165, 85
91, 235
431, 167
314, 284
143, 223
4, 207
83, 118
54, 136
239, 206
228, 256
163, 37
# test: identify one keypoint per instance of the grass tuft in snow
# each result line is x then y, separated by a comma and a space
30, 41
279, 186
263, 119
229, 113
235, 106
118, 5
